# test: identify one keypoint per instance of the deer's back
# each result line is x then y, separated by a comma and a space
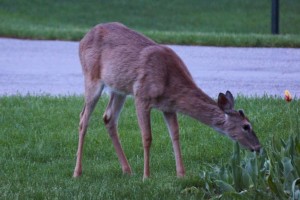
125, 60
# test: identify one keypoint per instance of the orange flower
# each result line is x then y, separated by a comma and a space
287, 96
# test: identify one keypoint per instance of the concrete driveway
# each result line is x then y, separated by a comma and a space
52, 67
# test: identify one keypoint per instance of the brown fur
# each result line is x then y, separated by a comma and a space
130, 64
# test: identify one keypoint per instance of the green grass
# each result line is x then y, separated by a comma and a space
38, 142
221, 23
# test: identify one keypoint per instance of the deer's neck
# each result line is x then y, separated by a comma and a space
200, 106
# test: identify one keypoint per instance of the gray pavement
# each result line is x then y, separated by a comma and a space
52, 67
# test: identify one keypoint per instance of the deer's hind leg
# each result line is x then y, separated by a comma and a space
93, 92
110, 119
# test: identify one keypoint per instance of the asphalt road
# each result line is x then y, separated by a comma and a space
52, 67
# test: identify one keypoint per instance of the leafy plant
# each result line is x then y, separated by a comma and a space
273, 174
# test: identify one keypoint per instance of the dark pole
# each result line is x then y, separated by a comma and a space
275, 16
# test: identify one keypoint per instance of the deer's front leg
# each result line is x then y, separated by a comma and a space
171, 120
143, 114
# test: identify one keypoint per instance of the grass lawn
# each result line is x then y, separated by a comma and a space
38, 143
220, 23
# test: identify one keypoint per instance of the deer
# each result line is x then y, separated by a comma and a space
129, 63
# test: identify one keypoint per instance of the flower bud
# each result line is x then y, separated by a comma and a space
287, 96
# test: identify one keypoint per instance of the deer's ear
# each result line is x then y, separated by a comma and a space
242, 113
224, 103
230, 98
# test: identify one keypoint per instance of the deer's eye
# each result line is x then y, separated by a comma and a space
246, 127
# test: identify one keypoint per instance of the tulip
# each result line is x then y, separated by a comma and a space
287, 96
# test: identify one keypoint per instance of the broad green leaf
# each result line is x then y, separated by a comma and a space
246, 180
233, 196
224, 174
290, 147
272, 185
287, 166
276, 146
283, 143
224, 187
190, 190
287, 172
275, 187
297, 164
297, 145
296, 189
252, 169
236, 170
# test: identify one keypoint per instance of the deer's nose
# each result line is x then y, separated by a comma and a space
257, 148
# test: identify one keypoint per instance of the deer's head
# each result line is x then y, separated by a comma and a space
236, 125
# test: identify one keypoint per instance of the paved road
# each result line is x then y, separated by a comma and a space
52, 67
